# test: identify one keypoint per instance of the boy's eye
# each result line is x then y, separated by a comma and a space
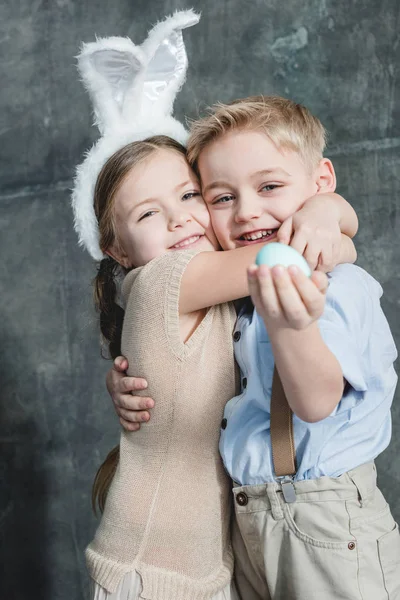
148, 214
269, 187
190, 195
223, 200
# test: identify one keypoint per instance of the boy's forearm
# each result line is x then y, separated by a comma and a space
311, 375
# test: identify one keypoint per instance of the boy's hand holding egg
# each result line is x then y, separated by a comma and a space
284, 291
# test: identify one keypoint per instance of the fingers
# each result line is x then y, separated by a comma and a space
312, 254
286, 297
311, 291
133, 403
300, 239
262, 291
285, 231
118, 383
120, 364
131, 384
133, 416
320, 248
132, 410
329, 257
290, 300
128, 426
321, 281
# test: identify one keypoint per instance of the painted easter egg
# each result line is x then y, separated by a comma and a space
280, 254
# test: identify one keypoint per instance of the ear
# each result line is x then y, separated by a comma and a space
118, 254
325, 176
166, 60
110, 68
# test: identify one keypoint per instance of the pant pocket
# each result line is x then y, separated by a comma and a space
320, 524
389, 556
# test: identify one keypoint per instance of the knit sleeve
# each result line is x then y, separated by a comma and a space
154, 290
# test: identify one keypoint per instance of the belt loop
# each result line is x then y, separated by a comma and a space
276, 508
361, 480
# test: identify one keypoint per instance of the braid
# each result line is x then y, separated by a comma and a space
111, 314
111, 320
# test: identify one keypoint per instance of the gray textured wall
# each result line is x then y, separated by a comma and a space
340, 57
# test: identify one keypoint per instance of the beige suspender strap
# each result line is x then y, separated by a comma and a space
282, 441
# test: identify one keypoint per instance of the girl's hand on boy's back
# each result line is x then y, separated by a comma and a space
316, 231
131, 410
286, 298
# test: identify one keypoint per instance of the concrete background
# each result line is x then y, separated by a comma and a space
339, 57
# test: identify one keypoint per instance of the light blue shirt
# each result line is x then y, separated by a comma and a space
356, 331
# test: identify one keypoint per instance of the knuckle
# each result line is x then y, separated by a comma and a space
314, 306
325, 266
123, 414
312, 264
305, 228
273, 312
129, 415
125, 424
126, 384
297, 316
121, 402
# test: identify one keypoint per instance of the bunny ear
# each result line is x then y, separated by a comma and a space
110, 68
166, 61
133, 90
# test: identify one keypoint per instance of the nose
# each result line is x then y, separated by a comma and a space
178, 219
247, 209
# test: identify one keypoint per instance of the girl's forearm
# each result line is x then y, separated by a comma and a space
348, 252
215, 277
347, 216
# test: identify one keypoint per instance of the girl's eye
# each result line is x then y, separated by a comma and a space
223, 200
190, 195
269, 187
148, 214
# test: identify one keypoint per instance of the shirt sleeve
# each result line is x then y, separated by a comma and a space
355, 328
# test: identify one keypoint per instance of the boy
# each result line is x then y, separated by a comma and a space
333, 536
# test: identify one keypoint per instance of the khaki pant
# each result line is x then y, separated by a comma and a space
338, 541
130, 588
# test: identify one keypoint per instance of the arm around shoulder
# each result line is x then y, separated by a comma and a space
215, 277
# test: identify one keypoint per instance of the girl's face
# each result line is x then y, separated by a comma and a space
158, 209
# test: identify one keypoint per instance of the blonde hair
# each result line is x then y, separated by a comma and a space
105, 289
289, 126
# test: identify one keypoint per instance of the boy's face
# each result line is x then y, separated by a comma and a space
251, 187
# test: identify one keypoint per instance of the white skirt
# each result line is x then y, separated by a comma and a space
130, 588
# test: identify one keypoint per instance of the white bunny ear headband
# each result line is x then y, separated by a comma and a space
133, 89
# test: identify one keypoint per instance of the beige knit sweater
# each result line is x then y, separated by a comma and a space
168, 508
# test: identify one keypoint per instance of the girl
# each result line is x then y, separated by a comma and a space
165, 528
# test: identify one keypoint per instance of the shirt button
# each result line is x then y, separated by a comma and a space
242, 499
236, 336
224, 423
244, 383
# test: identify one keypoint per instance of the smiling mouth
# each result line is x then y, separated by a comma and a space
257, 236
187, 242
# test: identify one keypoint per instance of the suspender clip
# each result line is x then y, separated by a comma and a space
288, 489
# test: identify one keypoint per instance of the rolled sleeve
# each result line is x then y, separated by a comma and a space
346, 322
347, 353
